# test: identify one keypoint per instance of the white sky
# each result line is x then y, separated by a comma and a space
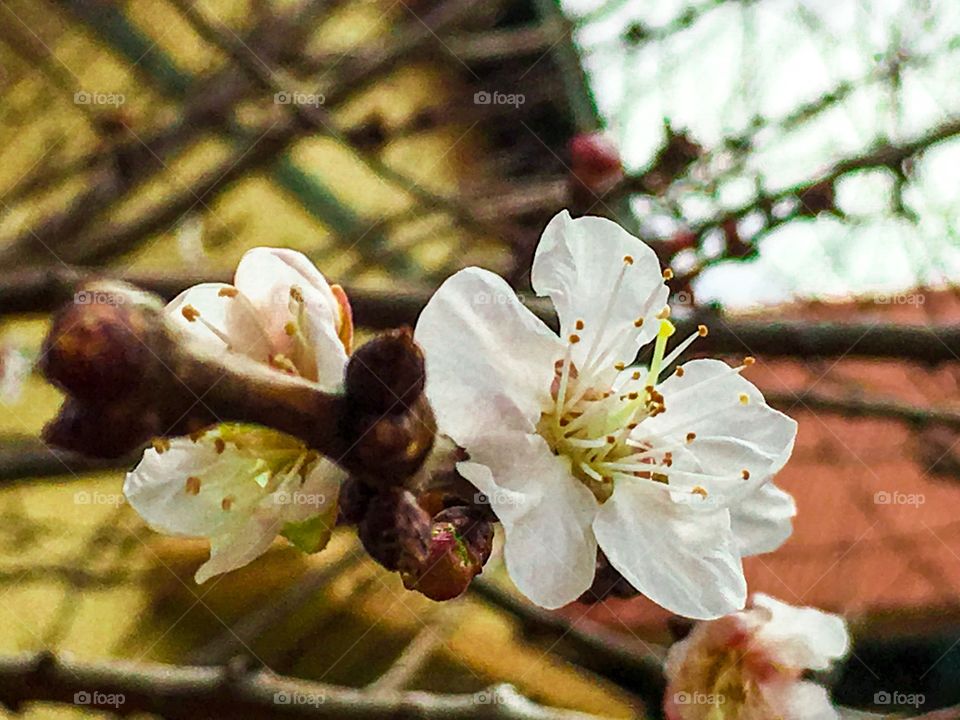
766, 58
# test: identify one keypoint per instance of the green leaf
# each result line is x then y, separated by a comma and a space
309, 536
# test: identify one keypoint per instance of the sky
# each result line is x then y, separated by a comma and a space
764, 58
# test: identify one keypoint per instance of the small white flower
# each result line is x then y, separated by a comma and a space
238, 485
575, 449
749, 665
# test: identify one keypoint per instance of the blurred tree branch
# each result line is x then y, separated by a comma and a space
235, 691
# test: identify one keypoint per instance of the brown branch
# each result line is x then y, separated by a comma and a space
866, 407
46, 289
320, 120
191, 693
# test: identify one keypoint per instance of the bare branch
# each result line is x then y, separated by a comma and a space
191, 692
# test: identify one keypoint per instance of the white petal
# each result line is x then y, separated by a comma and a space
241, 544
546, 514
683, 558
227, 320
799, 700
266, 276
315, 495
763, 520
158, 488
577, 263
707, 400
490, 361
801, 637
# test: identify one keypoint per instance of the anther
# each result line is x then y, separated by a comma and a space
619, 366
702, 330
226, 503
579, 324
228, 292
664, 314
638, 323
190, 312
219, 445
680, 371
691, 436
745, 474
698, 490
193, 485
161, 445
296, 294
290, 329
628, 259
667, 274
744, 399
749, 360
574, 339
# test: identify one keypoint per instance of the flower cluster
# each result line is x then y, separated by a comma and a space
242, 485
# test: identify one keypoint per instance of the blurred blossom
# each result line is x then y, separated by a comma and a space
240, 485
14, 370
750, 665
575, 448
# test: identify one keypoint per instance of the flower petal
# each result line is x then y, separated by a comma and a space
266, 276
801, 637
546, 514
681, 557
577, 264
798, 700
181, 491
490, 361
763, 520
715, 403
239, 545
222, 318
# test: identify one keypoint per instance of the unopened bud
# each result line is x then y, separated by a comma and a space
460, 545
95, 350
386, 375
354, 499
395, 530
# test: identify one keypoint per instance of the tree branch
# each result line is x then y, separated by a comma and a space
191, 692
866, 407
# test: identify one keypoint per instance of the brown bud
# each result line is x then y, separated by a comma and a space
395, 530
355, 497
386, 375
460, 545
95, 349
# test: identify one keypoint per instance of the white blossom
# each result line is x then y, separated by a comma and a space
239, 485
750, 665
577, 448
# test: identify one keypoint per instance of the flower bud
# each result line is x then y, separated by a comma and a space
460, 545
595, 162
355, 498
386, 375
95, 349
395, 530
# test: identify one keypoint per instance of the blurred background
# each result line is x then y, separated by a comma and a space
795, 162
